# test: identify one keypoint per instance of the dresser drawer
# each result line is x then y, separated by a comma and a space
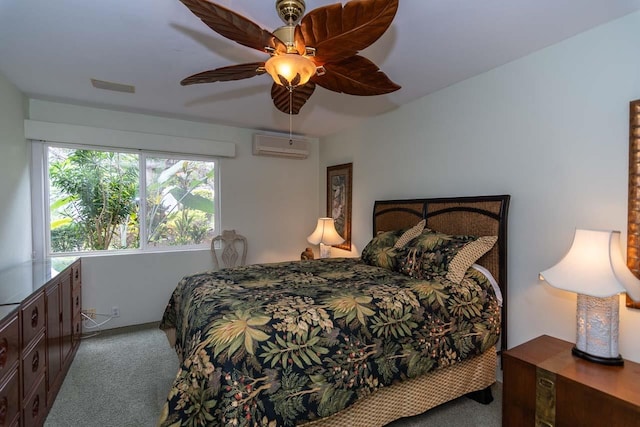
10, 398
76, 275
34, 407
77, 331
76, 301
33, 318
9, 345
33, 364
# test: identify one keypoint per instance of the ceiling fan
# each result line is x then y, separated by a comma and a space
319, 48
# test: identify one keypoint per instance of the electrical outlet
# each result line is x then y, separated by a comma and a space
115, 311
90, 312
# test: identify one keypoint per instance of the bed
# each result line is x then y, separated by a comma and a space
344, 341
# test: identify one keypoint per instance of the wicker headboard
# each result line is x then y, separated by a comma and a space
478, 216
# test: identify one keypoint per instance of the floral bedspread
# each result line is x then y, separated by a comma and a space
284, 343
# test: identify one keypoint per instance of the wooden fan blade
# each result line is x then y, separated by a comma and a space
338, 32
234, 26
355, 76
280, 96
225, 74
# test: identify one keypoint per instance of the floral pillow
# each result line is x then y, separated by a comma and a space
437, 254
380, 251
383, 249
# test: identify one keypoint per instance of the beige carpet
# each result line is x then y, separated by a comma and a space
121, 378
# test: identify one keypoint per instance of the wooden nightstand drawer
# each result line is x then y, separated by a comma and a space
546, 386
32, 318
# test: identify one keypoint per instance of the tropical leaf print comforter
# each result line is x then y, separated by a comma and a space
284, 343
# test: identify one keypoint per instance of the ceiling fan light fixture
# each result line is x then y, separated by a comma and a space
294, 69
339, 32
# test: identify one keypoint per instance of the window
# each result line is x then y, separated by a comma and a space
106, 200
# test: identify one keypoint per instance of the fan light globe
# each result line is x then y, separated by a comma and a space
290, 65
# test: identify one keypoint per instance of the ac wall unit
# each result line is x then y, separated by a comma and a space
280, 146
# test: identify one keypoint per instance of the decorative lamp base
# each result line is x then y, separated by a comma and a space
325, 251
597, 329
611, 361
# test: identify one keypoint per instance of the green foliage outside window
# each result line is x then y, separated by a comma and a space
95, 200
96, 195
179, 201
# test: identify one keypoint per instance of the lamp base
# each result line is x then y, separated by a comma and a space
325, 251
611, 361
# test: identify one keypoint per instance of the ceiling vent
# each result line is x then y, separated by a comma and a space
280, 146
116, 87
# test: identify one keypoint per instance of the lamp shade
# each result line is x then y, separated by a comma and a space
290, 68
594, 266
325, 233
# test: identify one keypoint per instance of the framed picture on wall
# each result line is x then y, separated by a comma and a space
339, 201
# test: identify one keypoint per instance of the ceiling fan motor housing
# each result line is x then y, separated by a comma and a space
286, 35
290, 11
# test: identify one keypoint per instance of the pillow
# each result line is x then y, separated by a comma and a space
383, 249
468, 255
438, 254
410, 234
380, 251
492, 280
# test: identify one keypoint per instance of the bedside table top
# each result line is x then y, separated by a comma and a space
554, 355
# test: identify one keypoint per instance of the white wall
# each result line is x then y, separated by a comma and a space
15, 196
551, 129
271, 201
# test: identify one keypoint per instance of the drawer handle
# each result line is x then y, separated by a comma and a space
540, 423
34, 317
35, 407
35, 362
546, 383
4, 350
3, 410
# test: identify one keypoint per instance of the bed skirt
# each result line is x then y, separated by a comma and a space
417, 395
413, 396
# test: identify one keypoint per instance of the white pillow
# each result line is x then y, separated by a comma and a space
492, 280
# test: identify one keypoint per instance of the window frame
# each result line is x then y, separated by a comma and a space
41, 215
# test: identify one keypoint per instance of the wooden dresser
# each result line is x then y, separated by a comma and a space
544, 385
40, 327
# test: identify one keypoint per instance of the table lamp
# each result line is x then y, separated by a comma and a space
326, 235
595, 269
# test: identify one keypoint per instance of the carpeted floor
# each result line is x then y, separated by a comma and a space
121, 378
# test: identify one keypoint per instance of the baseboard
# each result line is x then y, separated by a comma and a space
121, 329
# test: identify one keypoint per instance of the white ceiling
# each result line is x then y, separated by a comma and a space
50, 49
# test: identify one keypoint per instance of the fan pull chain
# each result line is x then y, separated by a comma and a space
290, 116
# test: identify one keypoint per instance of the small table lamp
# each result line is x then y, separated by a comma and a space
326, 235
595, 270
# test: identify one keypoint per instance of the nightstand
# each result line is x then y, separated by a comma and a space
545, 386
